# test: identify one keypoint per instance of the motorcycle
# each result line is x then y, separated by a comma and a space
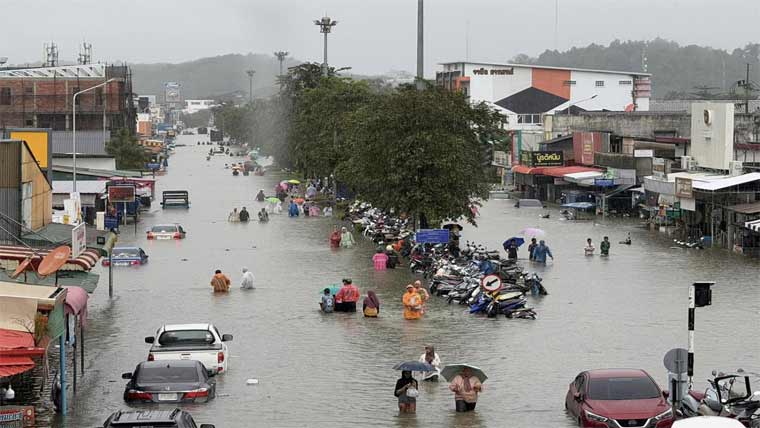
727, 395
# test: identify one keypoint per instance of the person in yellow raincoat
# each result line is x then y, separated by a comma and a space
412, 303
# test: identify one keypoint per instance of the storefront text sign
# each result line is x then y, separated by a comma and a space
683, 188
660, 168
541, 159
494, 72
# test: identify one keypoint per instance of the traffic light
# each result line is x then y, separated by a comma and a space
702, 294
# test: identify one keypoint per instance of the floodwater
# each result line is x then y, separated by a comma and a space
317, 370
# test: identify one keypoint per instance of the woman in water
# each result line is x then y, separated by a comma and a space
371, 305
406, 391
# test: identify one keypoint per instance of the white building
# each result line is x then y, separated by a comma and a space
526, 94
194, 106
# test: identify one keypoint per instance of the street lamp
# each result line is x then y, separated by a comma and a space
281, 57
250, 74
74, 128
325, 27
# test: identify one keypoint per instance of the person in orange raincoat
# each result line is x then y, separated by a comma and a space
220, 282
412, 304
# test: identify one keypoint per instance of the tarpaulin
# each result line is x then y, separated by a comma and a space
76, 303
11, 339
10, 366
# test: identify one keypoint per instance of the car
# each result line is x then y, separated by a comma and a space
618, 398
166, 231
169, 381
708, 422
200, 342
126, 256
529, 203
152, 418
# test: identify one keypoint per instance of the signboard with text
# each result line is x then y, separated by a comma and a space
17, 416
78, 240
542, 159
683, 188
432, 236
121, 193
660, 168
643, 153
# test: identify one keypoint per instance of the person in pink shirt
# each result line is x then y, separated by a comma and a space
380, 260
465, 387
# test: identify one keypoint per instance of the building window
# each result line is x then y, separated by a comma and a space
529, 119
600, 83
29, 122
5, 96
569, 82
625, 82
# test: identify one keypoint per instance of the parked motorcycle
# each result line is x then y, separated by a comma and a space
727, 395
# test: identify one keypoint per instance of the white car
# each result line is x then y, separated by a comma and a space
166, 231
708, 422
199, 342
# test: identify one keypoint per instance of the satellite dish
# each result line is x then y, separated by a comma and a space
54, 260
24, 265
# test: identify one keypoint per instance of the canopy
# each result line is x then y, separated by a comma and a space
722, 183
10, 366
562, 171
76, 303
11, 339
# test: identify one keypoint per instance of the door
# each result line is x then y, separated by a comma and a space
576, 387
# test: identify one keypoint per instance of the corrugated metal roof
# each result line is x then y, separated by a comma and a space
723, 183
88, 142
88, 186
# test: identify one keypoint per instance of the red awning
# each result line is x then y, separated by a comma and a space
86, 261
561, 171
524, 169
10, 366
76, 303
12, 339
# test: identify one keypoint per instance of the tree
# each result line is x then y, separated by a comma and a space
420, 152
128, 153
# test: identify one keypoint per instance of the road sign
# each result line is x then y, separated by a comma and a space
432, 236
675, 360
78, 240
111, 223
491, 282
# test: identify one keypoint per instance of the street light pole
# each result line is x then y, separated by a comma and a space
281, 57
420, 46
74, 128
325, 27
250, 74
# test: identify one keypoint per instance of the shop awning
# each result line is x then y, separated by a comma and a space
10, 366
76, 303
723, 183
12, 255
562, 171
752, 208
524, 169
753, 225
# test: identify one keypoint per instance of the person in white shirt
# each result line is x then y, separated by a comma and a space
431, 357
247, 282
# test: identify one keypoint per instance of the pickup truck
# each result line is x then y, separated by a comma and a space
200, 342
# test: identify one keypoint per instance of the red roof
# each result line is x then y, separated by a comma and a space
524, 169
10, 366
561, 171
86, 261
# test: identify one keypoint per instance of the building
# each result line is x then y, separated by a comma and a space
527, 94
194, 106
25, 192
41, 97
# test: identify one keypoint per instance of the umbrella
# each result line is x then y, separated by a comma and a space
532, 232
273, 200
452, 226
334, 288
450, 371
414, 366
519, 241
299, 201
294, 182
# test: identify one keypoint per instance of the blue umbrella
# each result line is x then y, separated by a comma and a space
414, 366
518, 240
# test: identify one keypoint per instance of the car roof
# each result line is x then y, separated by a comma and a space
170, 363
166, 224
126, 248
196, 326
608, 373
129, 417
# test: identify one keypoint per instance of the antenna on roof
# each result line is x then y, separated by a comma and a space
51, 55
85, 53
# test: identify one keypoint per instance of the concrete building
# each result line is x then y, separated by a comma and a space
194, 106
25, 192
527, 93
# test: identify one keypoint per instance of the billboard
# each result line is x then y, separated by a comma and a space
78, 240
661, 168
40, 144
541, 159
121, 193
172, 93
683, 188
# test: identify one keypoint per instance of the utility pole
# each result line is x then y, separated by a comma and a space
325, 27
747, 85
281, 57
250, 74
420, 47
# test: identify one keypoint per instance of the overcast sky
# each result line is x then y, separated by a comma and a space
372, 36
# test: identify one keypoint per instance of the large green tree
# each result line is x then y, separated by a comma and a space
421, 152
128, 153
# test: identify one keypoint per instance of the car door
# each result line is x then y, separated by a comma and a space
181, 231
573, 406
143, 256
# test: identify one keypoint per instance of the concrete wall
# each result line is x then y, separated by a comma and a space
712, 127
638, 124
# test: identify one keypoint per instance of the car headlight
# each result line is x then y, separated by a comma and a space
664, 415
595, 417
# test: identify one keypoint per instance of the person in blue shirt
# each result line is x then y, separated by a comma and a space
293, 209
541, 251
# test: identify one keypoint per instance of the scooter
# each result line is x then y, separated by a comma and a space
728, 395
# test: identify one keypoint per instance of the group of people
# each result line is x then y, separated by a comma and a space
465, 386
414, 300
346, 298
386, 259
221, 282
243, 216
537, 251
342, 238
604, 247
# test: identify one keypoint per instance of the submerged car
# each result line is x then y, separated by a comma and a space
169, 381
126, 256
618, 398
152, 418
167, 231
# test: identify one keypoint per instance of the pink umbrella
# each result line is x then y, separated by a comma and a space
532, 232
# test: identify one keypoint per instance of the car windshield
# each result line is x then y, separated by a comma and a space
164, 229
167, 374
186, 337
126, 252
622, 388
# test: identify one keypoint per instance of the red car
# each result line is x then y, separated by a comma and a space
618, 398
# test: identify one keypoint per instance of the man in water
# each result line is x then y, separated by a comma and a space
605, 246
348, 295
220, 282
326, 302
263, 215
532, 247
247, 281
511, 248
541, 251
244, 215
589, 249
260, 196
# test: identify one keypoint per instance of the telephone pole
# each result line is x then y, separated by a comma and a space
325, 27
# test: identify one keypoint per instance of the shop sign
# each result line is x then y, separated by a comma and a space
542, 159
604, 182
121, 193
641, 153
683, 188
660, 168
17, 416
493, 72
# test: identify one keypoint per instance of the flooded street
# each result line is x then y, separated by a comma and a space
319, 370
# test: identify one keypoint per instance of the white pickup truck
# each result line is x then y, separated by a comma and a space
200, 342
